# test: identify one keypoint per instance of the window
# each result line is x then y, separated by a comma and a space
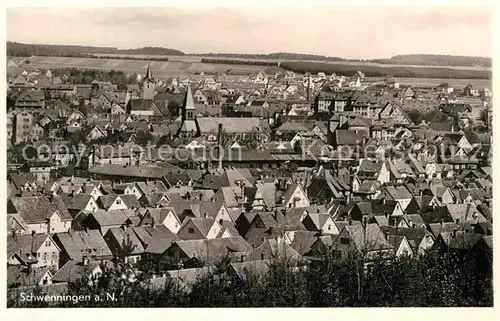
190, 230
47, 243
329, 227
344, 240
45, 256
118, 201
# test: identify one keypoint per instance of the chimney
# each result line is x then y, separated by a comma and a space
85, 260
275, 214
201, 196
205, 215
442, 223
457, 221
242, 258
455, 232
219, 145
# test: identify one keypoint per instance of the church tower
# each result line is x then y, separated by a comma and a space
148, 86
188, 107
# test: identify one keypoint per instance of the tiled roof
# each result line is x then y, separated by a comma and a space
78, 243
31, 95
25, 246
229, 124
39, 208
127, 240
110, 218
153, 172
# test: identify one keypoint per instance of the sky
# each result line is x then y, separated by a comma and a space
348, 32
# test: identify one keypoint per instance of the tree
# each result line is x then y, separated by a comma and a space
144, 137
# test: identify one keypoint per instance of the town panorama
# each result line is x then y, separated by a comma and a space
142, 179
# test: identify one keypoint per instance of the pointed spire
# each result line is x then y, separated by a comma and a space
188, 99
148, 72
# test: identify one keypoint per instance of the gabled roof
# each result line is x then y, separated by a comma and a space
303, 240
227, 195
38, 208
367, 238
202, 224
79, 201
212, 250
79, 243
141, 104
110, 218
72, 270
154, 199
25, 246
272, 248
398, 192
31, 95
242, 269
155, 239
159, 214
127, 240
465, 213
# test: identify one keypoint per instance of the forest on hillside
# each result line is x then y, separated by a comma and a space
276, 55
16, 49
419, 59
382, 71
436, 60
239, 62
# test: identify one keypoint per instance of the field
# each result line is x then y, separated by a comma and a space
434, 82
183, 65
198, 59
159, 68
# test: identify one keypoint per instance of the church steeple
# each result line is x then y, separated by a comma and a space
148, 73
148, 86
188, 105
